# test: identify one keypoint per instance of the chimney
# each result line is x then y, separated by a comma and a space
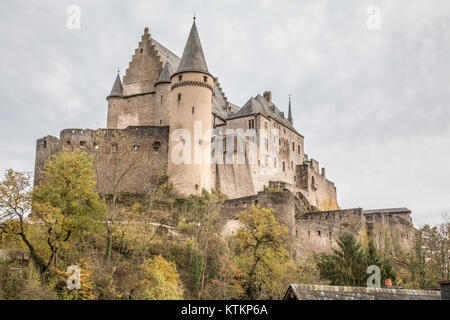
324, 173
268, 96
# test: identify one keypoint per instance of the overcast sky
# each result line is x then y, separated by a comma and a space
373, 104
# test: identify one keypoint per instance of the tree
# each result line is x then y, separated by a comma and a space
373, 257
346, 265
64, 204
15, 205
262, 249
160, 281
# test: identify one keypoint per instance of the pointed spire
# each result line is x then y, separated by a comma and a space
117, 87
165, 74
290, 112
193, 58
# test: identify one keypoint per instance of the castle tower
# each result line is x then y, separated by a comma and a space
189, 166
114, 98
163, 96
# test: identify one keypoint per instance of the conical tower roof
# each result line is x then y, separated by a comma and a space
165, 74
290, 112
193, 59
116, 90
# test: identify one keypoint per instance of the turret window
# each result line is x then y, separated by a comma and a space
205, 79
179, 97
180, 78
156, 146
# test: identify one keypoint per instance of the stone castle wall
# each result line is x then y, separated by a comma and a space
314, 232
144, 150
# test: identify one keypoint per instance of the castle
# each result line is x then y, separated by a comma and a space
162, 94
182, 123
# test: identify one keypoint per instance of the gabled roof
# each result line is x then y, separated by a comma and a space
116, 90
260, 105
193, 58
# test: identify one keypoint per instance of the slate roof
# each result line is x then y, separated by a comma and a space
166, 73
116, 90
387, 211
219, 104
260, 105
193, 58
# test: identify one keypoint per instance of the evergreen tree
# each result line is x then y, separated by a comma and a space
346, 264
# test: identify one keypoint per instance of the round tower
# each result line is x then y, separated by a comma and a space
163, 96
189, 165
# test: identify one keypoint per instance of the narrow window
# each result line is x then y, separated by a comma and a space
45, 144
318, 232
136, 148
292, 165
284, 166
157, 146
293, 146
179, 97
309, 233
180, 78
160, 122
205, 79
161, 99
193, 110
142, 50
274, 162
298, 149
